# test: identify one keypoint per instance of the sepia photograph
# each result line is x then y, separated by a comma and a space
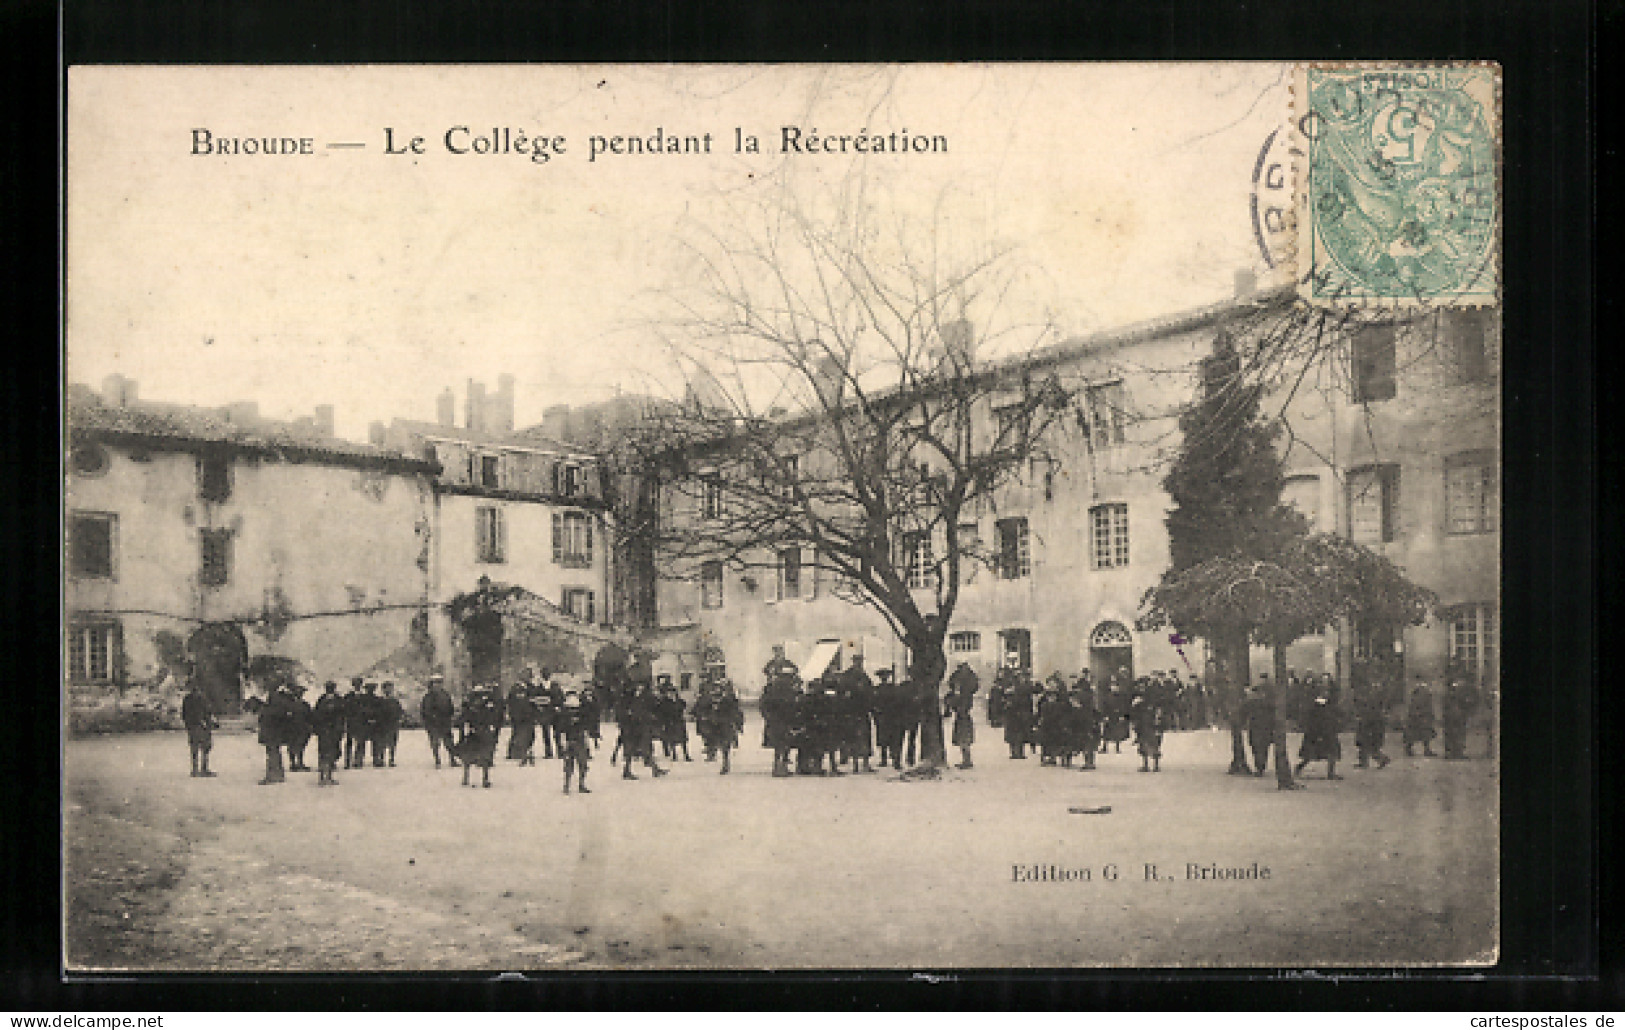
580, 518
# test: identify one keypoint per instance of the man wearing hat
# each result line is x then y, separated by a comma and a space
328, 721
355, 725
962, 687
437, 712
522, 717
299, 714
275, 716
371, 714
390, 716
198, 715
890, 701
778, 704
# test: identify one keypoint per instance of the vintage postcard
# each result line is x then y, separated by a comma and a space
572, 518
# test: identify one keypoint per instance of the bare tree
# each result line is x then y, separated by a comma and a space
841, 413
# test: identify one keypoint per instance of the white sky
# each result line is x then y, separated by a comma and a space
371, 282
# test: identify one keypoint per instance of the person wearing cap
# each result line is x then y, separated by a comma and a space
299, 715
1320, 741
1258, 709
1086, 718
637, 722
355, 726
522, 719
1054, 718
1018, 709
1460, 700
274, 717
778, 704
858, 702
960, 703
371, 715
1150, 720
571, 724
481, 724
198, 716
328, 720
1370, 722
546, 695
437, 711
890, 701
1419, 720
670, 710
390, 717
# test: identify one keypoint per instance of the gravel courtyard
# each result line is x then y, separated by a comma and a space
402, 868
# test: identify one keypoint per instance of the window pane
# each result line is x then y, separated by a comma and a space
1303, 493
1109, 535
97, 641
1374, 364
91, 545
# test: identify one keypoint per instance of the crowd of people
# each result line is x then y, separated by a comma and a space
837, 722
1314, 705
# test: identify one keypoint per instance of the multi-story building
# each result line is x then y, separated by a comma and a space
214, 537
1075, 544
216, 540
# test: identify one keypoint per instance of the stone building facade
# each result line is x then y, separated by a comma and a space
1397, 447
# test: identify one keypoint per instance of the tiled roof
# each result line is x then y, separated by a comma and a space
179, 424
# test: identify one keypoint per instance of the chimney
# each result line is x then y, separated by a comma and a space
375, 433
117, 391
242, 413
477, 414
1246, 284
502, 413
556, 422
959, 340
445, 408
830, 381
324, 419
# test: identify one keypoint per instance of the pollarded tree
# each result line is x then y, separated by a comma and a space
838, 423
1308, 582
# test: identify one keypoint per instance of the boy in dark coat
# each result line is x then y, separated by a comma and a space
1149, 719
961, 703
355, 729
328, 721
1320, 741
299, 715
275, 716
1086, 715
1258, 708
889, 704
437, 711
482, 723
198, 716
1419, 719
1370, 725
859, 702
570, 721
522, 717
780, 699
1460, 699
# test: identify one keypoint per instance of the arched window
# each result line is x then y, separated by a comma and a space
1111, 634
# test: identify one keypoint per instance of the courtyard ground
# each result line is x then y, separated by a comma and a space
404, 869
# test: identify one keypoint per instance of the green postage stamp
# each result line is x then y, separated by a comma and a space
1399, 199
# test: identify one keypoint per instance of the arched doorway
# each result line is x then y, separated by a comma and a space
1111, 650
219, 657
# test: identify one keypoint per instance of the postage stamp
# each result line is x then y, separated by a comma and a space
1399, 184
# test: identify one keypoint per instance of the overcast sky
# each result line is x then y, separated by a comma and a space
371, 281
